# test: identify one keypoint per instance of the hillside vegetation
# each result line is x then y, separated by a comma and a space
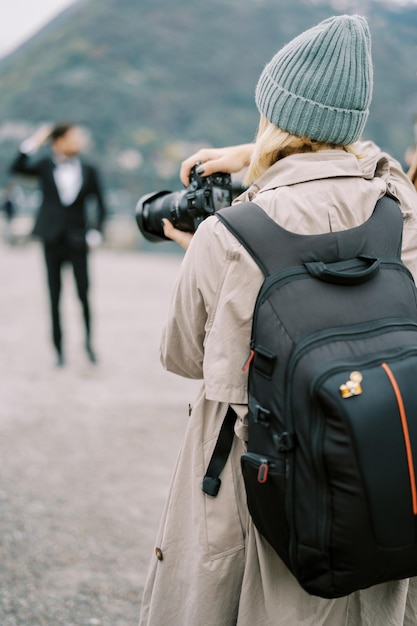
153, 79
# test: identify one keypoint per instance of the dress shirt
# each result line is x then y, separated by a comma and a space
68, 179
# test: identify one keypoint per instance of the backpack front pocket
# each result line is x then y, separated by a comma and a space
265, 482
376, 405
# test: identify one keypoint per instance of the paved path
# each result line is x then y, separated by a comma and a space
86, 453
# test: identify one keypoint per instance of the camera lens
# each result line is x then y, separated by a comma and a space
184, 209
151, 210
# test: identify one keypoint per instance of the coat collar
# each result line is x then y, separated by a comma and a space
304, 167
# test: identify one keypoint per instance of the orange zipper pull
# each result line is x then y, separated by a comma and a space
248, 361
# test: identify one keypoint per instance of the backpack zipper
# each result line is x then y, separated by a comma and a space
337, 334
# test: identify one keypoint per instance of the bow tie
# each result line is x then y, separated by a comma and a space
70, 161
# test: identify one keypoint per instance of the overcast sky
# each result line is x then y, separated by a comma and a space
20, 19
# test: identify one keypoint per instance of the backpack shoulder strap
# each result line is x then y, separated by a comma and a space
255, 230
273, 247
211, 481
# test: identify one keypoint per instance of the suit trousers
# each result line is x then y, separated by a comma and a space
57, 254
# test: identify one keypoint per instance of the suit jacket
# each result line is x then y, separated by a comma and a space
55, 219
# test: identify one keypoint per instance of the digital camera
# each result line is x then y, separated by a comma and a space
186, 209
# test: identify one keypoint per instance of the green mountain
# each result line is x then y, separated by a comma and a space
154, 79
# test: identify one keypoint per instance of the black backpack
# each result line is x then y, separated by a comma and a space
332, 449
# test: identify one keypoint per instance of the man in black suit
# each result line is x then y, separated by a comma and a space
67, 183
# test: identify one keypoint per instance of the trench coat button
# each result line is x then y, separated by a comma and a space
159, 554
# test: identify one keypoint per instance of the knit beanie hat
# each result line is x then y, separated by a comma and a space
320, 84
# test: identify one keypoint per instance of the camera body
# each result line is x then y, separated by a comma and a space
186, 209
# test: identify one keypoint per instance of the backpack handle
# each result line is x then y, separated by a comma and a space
351, 272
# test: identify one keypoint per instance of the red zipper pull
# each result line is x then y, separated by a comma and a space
248, 361
263, 472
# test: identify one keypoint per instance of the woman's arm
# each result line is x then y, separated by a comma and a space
182, 345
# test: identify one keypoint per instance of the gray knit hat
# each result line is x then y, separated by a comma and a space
320, 84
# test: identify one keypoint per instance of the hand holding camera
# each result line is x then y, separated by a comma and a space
180, 237
229, 159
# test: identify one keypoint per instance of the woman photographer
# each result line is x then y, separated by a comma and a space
310, 174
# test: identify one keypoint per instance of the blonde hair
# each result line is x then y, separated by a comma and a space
412, 172
272, 143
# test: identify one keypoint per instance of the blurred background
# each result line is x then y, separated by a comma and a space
153, 80
87, 451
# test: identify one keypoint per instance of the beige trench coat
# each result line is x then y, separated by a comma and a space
216, 569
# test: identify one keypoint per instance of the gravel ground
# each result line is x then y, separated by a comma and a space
86, 452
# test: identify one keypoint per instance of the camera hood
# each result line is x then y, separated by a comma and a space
142, 216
